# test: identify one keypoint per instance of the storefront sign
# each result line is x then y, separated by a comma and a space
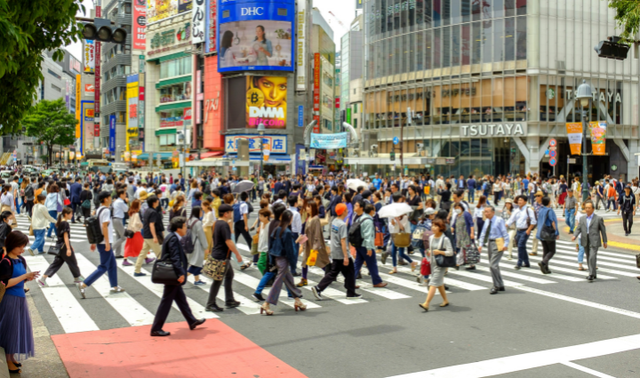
601, 96
89, 115
598, 137
277, 143
316, 92
78, 99
171, 39
211, 41
267, 102
89, 56
300, 115
574, 132
112, 134
89, 89
139, 24
329, 141
187, 114
199, 21
494, 130
301, 52
158, 10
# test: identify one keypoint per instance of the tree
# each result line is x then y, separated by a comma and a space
50, 122
27, 29
627, 17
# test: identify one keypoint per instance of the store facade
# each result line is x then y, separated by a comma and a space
484, 86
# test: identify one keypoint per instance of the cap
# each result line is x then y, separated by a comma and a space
429, 211
143, 195
539, 193
341, 208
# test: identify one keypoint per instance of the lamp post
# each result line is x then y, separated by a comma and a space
584, 96
261, 133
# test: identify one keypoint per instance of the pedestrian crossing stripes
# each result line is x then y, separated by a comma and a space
136, 307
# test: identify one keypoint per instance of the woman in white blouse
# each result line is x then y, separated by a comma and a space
39, 220
7, 199
208, 221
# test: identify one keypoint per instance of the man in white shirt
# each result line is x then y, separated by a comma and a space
241, 221
525, 220
120, 208
296, 221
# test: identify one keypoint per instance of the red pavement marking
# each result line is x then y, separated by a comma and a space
212, 350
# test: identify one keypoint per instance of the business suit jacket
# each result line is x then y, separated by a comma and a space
591, 237
76, 189
172, 250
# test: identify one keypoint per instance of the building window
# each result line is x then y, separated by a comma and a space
168, 140
56, 88
54, 74
177, 92
175, 67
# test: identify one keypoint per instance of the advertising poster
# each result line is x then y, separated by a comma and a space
132, 113
256, 35
89, 56
598, 137
316, 92
574, 132
301, 50
158, 10
89, 89
329, 141
112, 134
139, 24
199, 21
267, 102
78, 99
211, 41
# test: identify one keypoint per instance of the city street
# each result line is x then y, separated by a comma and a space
556, 325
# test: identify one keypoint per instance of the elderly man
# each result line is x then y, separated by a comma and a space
590, 229
494, 229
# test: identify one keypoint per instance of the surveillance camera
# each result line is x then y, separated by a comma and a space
420, 145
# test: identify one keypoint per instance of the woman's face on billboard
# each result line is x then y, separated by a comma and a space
259, 33
274, 89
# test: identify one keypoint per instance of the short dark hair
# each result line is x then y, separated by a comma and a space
177, 223
360, 202
282, 194
103, 196
369, 208
278, 209
224, 208
244, 196
459, 193
151, 200
292, 200
120, 192
546, 201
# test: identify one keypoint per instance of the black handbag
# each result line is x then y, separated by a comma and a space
129, 234
54, 250
547, 233
163, 272
445, 261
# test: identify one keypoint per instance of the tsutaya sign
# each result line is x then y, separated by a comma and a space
597, 96
494, 130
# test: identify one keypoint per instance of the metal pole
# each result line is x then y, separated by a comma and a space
585, 182
261, 154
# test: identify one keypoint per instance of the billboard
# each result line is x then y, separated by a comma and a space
139, 24
256, 35
267, 102
329, 141
133, 103
211, 40
301, 52
89, 56
112, 134
316, 92
158, 10
199, 21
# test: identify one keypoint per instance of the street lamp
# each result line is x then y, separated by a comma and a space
261, 133
584, 96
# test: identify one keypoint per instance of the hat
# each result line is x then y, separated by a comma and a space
508, 200
539, 193
341, 208
142, 195
429, 211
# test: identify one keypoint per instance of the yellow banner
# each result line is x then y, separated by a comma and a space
598, 137
574, 133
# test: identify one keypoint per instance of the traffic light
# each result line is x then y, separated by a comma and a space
393, 155
612, 49
102, 31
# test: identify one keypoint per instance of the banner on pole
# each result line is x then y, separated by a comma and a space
574, 132
598, 137
329, 141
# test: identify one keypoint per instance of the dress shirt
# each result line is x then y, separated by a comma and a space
589, 218
296, 221
520, 216
498, 230
120, 208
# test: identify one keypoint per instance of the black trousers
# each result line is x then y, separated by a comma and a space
337, 267
172, 293
627, 220
228, 287
30, 207
548, 250
238, 229
62, 258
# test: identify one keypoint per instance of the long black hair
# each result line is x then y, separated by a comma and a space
227, 39
264, 33
64, 212
285, 221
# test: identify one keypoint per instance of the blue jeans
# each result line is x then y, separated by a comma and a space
372, 264
38, 244
52, 226
570, 218
268, 276
107, 265
18, 204
472, 195
394, 255
580, 254
523, 257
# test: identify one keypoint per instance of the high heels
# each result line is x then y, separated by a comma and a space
299, 306
266, 310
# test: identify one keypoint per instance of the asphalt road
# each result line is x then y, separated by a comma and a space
556, 325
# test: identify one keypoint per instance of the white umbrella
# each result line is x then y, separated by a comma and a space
354, 184
243, 186
394, 210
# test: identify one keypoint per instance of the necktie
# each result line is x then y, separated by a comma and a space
486, 236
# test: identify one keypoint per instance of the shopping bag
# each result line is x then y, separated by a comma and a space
425, 267
313, 257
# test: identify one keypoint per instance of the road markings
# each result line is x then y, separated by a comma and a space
587, 370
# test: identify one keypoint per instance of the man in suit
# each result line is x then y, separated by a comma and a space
589, 230
75, 190
172, 251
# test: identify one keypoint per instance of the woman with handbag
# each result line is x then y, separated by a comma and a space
53, 203
547, 234
439, 248
464, 236
134, 242
398, 226
65, 254
284, 252
314, 242
200, 245
39, 221
16, 332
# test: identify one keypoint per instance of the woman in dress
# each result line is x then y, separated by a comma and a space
200, 245
439, 244
464, 234
262, 47
16, 333
133, 245
208, 220
315, 241
396, 226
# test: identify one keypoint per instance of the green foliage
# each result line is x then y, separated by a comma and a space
627, 17
27, 29
51, 124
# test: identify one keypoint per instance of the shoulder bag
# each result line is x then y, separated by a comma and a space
54, 249
547, 232
163, 272
445, 261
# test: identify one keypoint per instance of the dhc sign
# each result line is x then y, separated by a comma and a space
494, 130
255, 11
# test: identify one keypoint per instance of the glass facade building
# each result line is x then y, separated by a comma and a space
487, 84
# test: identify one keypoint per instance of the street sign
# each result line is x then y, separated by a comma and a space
553, 143
553, 162
546, 152
396, 140
552, 154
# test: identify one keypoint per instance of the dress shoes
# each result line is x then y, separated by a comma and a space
501, 288
197, 323
233, 304
590, 278
160, 333
494, 290
384, 284
214, 309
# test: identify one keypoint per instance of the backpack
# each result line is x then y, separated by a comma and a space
28, 192
237, 217
417, 237
94, 228
355, 233
188, 245
250, 208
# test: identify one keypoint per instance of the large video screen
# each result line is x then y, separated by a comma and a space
266, 102
256, 35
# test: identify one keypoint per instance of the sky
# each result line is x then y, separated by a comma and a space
344, 11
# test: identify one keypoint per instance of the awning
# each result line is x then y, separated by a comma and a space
170, 131
163, 156
217, 162
413, 160
175, 80
173, 105
173, 56
204, 155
